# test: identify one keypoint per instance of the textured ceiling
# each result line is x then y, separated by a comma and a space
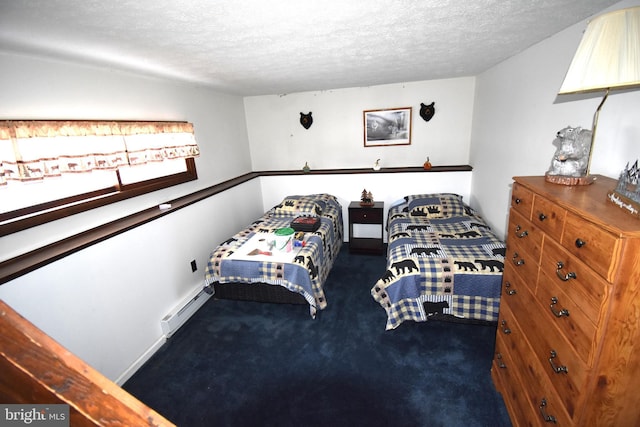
256, 47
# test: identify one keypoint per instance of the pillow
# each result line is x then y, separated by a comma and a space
297, 206
440, 205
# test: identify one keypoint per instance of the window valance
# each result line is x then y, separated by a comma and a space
34, 150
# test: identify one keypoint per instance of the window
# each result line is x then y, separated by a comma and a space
51, 169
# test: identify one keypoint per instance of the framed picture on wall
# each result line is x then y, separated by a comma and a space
387, 127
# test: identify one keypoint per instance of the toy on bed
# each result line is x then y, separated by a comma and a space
443, 262
267, 262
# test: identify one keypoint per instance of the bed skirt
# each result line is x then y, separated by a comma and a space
258, 292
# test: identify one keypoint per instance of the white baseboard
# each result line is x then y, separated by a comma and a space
128, 373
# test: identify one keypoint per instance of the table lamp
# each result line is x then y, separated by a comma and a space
607, 58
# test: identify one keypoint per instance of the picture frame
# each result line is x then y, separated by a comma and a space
391, 126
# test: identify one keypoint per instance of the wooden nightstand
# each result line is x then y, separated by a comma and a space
366, 215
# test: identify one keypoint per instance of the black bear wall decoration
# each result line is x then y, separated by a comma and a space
306, 120
427, 111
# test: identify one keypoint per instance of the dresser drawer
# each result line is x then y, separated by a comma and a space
521, 262
365, 216
548, 216
510, 385
591, 244
528, 236
566, 371
568, 317
520, 358
509, 364
582, 285
512, 284
521, 200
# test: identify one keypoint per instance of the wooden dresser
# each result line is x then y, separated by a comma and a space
568, 338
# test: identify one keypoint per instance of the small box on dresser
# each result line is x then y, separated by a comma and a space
568, 337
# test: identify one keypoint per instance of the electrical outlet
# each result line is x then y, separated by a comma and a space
194, 267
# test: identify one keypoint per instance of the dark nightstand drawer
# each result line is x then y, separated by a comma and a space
366, 215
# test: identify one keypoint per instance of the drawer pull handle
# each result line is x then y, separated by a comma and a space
525, 233
518, 201
542, 217
557, 369
545, 417
505, 329
500, 362
563, 312
580, 243
564, 277
510, 291
518, 262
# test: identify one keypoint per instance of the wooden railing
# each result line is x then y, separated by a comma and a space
35, 369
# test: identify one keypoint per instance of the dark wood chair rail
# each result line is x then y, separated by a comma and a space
27, 262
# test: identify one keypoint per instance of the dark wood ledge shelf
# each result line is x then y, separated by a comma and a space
454, 168
30, 261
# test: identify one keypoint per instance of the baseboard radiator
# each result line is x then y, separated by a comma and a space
182, 312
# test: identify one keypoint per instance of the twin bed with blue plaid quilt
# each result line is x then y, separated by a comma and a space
248, 260
443, 262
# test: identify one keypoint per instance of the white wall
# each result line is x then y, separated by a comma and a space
105, 303
517, 113
336, 139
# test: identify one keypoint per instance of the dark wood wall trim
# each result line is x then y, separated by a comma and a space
454, 168
25, 263
52, 211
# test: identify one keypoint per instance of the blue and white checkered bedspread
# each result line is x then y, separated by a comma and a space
447, 263
308, 269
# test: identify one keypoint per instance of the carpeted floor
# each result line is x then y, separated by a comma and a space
251, 364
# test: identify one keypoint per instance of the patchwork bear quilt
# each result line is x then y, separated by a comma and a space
443, 262
250, 257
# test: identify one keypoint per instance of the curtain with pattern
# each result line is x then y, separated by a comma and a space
35, 150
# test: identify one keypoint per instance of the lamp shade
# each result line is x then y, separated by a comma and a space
609, 54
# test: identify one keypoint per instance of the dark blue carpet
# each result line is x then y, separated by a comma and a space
251, 364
